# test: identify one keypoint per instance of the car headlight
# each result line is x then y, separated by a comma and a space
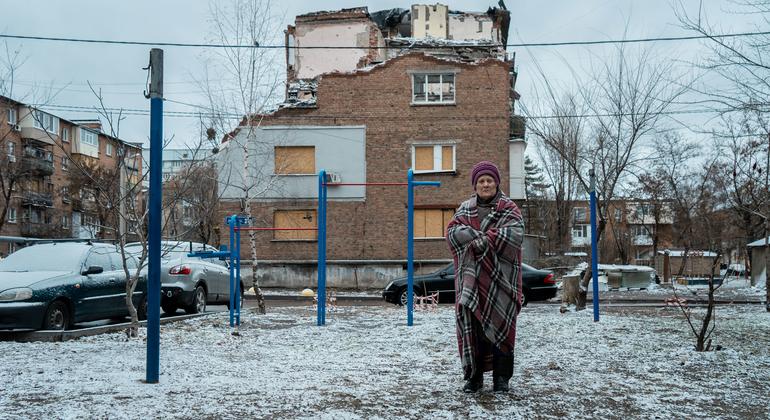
12, 295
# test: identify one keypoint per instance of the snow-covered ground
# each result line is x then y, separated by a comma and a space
366, 363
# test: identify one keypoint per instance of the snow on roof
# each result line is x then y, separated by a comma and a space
759, 243
366, 363
438, 42
690, 253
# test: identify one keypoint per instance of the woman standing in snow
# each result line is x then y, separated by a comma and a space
485, 238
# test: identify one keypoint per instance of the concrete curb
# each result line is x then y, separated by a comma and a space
53, 336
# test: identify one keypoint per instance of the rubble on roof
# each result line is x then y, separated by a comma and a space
463, 50
351, 13
300, 93
393, 22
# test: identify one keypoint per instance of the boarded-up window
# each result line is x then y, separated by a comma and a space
431, 223
295, 219
433, 158
294, 160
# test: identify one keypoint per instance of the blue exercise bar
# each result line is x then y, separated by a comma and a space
594, 250
411, 183
322, 210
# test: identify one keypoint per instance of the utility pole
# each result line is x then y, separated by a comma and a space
156, 196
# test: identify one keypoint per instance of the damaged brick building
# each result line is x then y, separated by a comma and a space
379, 102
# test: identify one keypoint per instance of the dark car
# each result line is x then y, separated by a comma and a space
52, 286
536, 285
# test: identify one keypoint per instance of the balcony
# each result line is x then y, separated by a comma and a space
33, 229
37, 162
36, 199
518, 127
79, 204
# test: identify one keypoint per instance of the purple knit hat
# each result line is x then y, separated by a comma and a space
485, 167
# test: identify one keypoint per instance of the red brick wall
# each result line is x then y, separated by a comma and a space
380, 99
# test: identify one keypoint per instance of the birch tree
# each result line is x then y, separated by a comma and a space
239, 83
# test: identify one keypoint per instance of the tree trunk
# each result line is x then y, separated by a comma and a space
133, 329
703, 342
583, 293
252, 235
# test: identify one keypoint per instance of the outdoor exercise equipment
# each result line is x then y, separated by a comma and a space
323, 183
234, 257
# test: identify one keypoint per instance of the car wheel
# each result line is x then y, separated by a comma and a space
228, 302
524, 300
141, 311
57, 316
403, 297
168, 309
199, 301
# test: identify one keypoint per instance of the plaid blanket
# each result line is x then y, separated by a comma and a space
487, 258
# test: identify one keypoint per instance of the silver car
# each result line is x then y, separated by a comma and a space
190, 283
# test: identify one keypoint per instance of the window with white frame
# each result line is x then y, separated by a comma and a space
89, 137
580, 231
641, 230
579, 214
11, 149
618, 215
11, 215
12, 116
45, 121
65, 163
433, 88
65, 222
108, 149
433, 158
65, 134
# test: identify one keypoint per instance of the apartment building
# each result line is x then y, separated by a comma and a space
45, 170
367, 114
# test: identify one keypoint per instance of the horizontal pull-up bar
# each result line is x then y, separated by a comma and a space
379, 184
269, 228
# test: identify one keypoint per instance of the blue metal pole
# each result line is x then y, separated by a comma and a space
231, 223
155, 202
410, 248
594, 251
238, 274
321, 315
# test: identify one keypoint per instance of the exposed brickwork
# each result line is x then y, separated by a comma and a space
380, 99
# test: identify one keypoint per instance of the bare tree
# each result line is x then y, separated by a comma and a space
247, 80
743, 64
626, 98
11, 171
557, 141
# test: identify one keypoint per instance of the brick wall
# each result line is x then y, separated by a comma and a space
380, 99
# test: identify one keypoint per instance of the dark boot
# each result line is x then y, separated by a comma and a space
475, 383
502, 370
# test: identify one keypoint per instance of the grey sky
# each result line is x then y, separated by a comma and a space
63, 69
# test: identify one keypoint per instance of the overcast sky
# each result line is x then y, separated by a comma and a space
58, 72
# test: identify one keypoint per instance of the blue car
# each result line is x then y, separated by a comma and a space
53, 286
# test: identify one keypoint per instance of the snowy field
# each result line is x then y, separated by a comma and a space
366, 363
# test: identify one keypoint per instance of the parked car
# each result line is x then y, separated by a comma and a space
52, 286
536, 285
190, 283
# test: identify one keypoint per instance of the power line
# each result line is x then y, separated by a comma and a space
210, 113
422, 47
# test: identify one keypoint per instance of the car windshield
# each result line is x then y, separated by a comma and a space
57, 257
